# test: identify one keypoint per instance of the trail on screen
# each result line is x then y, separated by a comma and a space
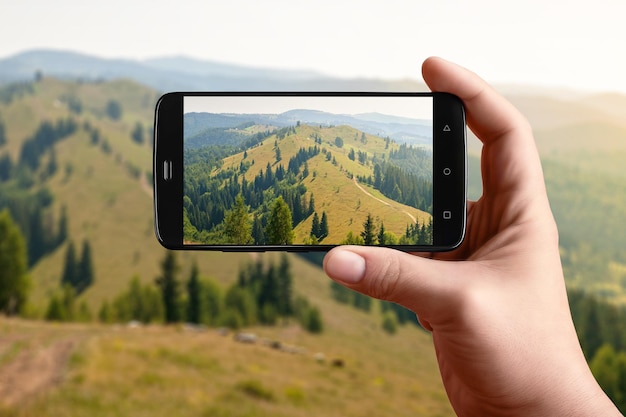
367, 193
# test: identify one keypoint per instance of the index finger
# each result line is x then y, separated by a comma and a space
510, 159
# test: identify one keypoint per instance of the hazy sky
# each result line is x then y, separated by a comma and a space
412, 107
571, 44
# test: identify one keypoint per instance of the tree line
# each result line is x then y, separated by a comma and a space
372, 234
44, 138
262, 294
78, 271
601, 330
401, 186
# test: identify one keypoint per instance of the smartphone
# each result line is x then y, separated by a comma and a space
307, 171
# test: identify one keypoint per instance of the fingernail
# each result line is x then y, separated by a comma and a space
346, 267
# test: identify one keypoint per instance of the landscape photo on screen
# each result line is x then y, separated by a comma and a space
286, 170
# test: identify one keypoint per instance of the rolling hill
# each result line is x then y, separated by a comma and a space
332, 165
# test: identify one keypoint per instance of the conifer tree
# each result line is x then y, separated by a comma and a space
62, 228
258, 234
369, 231
194, 296
14, 283
237, 225
138, 135
6, 167
267, 299
169, 286
85, 275
381, 234
211, 302
279, 230
284, 287
70, 267
324, 226
36, 236
315, 227
311, 209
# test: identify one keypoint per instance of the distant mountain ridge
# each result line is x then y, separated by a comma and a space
181, 73
400, 129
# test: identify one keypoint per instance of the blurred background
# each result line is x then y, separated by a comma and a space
97, 319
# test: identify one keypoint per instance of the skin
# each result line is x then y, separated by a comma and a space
496, 306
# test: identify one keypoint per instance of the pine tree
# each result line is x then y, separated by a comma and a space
36, 236
114, 110
138, 135
267, 299
369, 231
14, 283
315, 227
211, 306
285, 287
169, 286
62, 227
237, 225
279, 230
85, 275
258, 235
323, 226
311, 209
6, 167
194, 296
381, 234
70, 267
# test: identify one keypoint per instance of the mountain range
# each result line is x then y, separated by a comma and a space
400, 129
183, 74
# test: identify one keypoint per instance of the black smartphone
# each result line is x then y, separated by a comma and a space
303, 171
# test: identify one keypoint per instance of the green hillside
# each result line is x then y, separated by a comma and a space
104, 187
333, 179
100, 177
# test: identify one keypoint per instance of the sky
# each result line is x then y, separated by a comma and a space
420, 108
568, 44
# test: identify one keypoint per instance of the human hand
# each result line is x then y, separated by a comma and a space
496, 306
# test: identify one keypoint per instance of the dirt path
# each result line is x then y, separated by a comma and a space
34, 370
367, 193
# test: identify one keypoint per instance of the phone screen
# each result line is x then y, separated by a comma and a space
294, 170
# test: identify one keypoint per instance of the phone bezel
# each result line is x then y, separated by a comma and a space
449, 151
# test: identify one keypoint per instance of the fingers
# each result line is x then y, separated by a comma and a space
489, 114
391, 275
510, 159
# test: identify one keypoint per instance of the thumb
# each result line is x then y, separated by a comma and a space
419, 284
